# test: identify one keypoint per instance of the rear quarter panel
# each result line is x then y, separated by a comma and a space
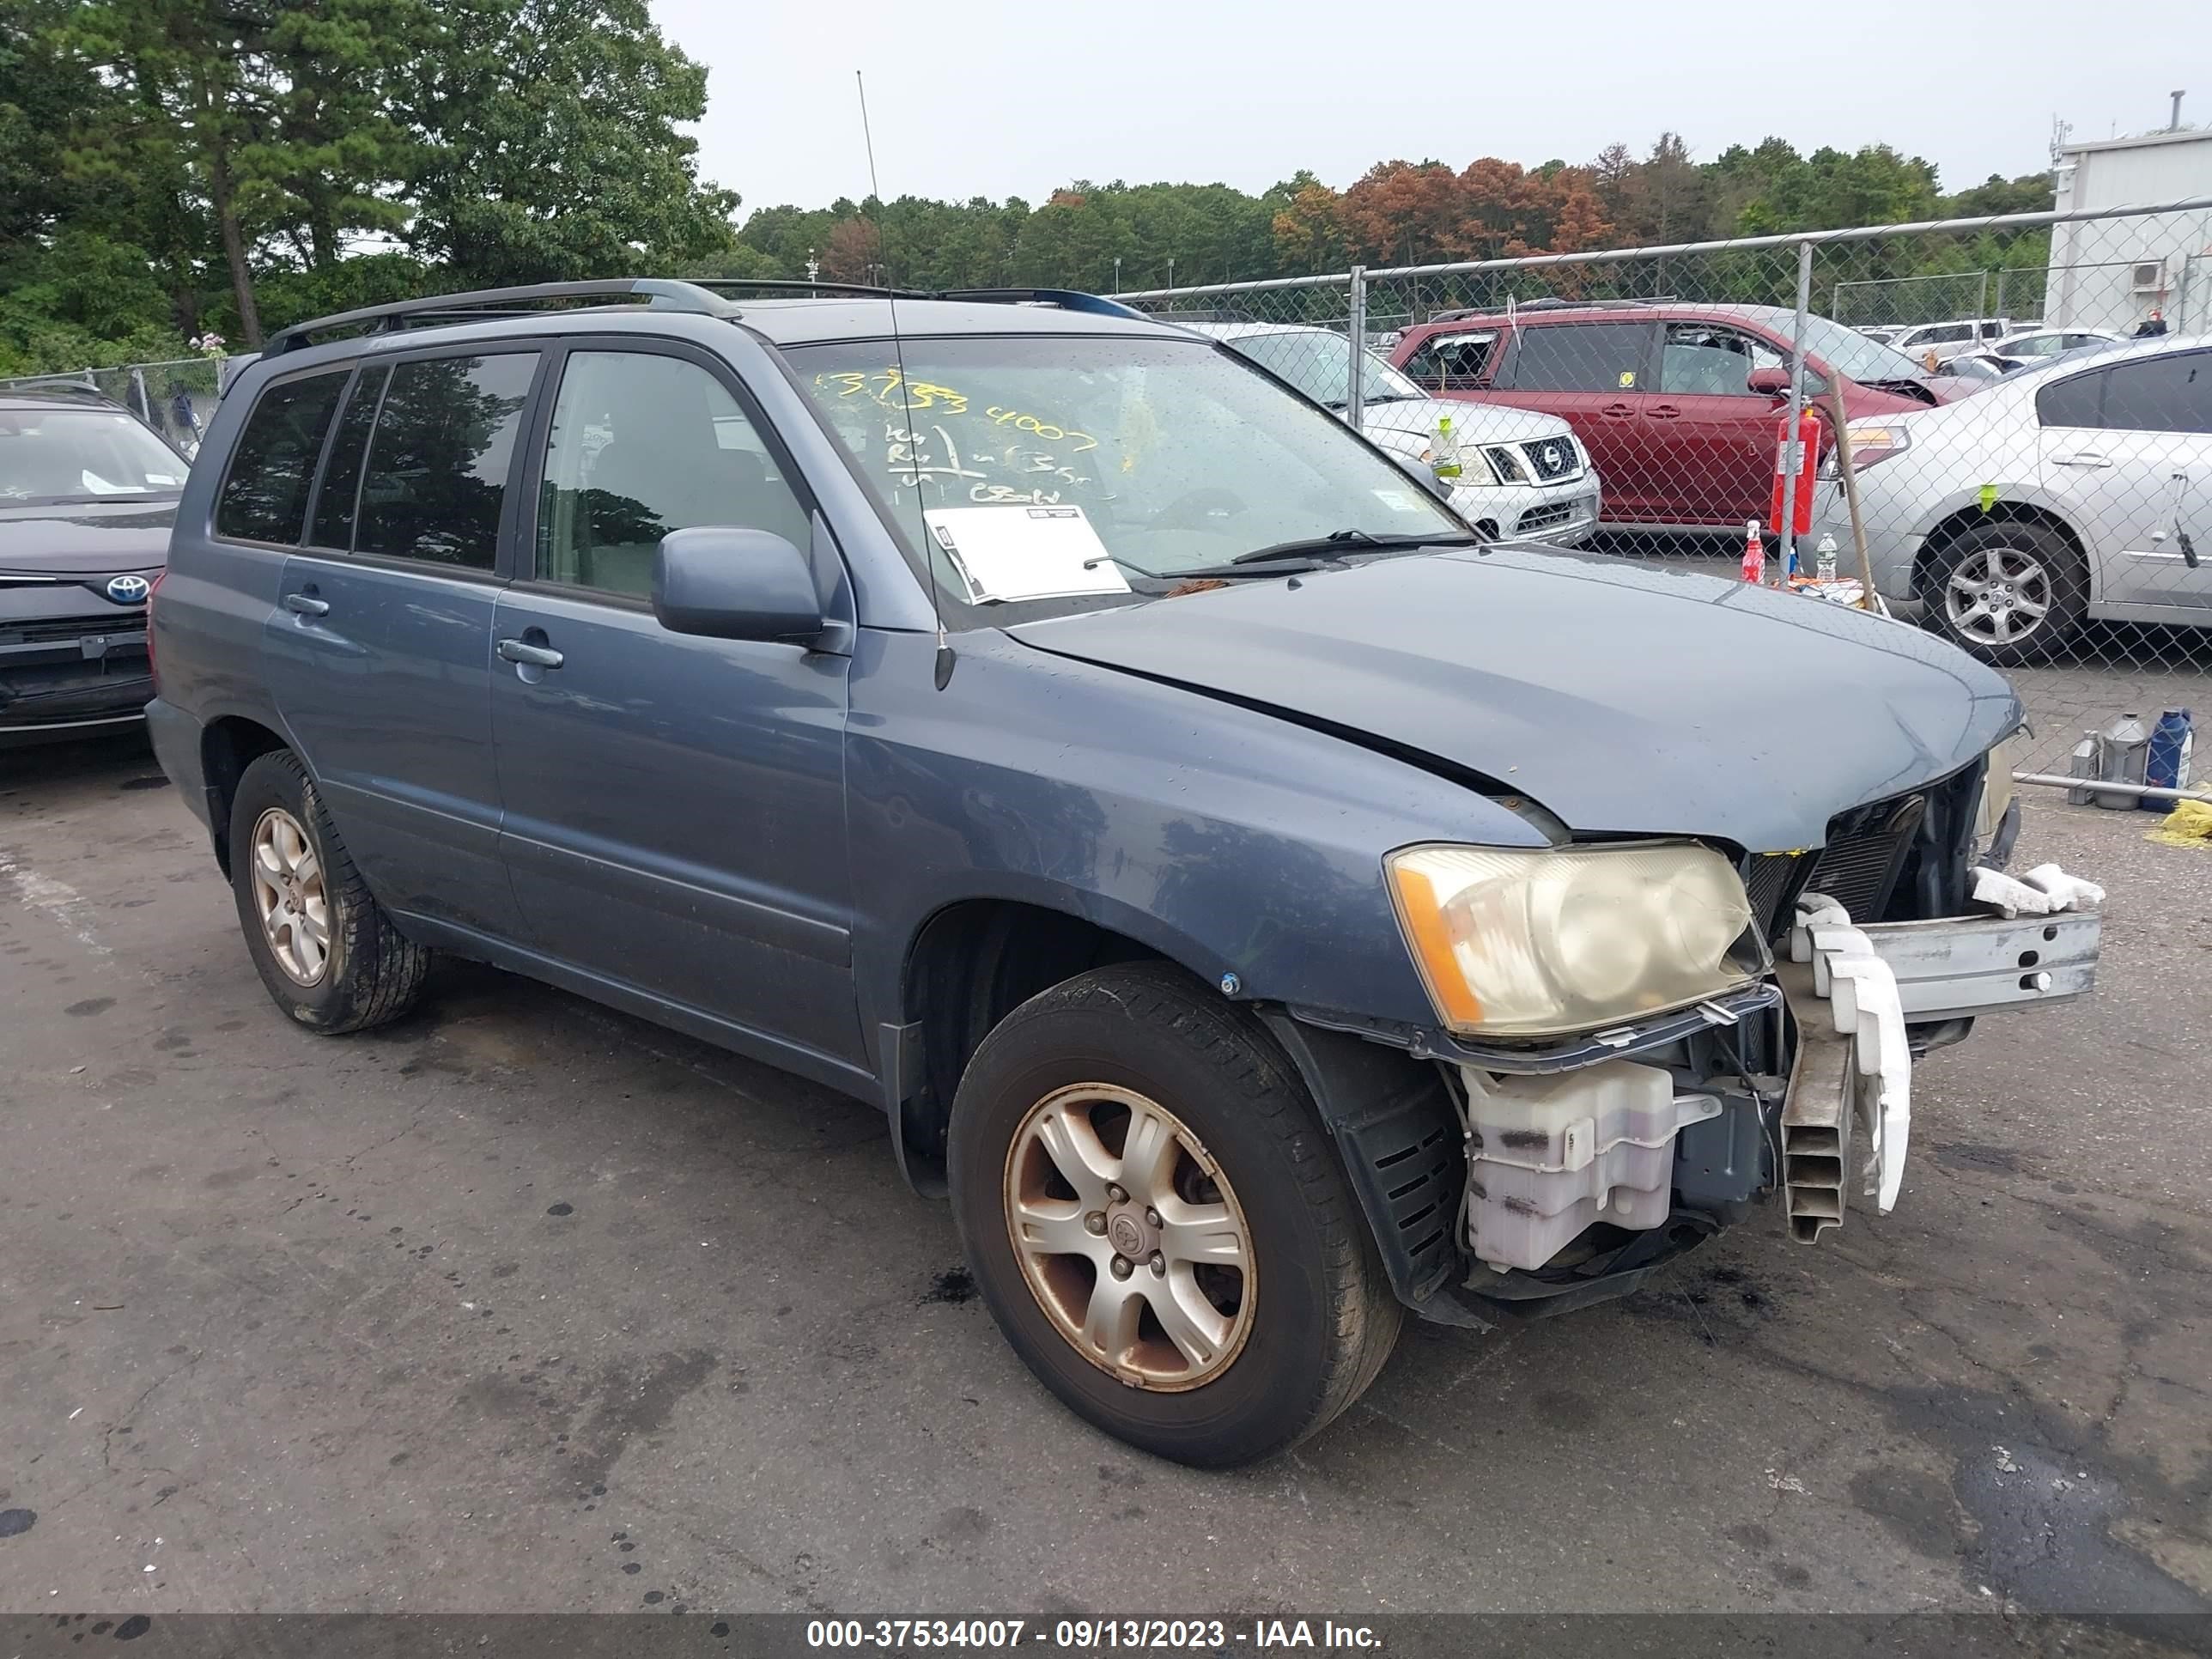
216, 596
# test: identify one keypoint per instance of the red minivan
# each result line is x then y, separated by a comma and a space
1678, 405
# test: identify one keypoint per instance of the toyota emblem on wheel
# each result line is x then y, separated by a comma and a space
128, 590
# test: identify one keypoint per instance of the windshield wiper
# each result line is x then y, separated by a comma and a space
1338, 543
1377, 397
1319, 552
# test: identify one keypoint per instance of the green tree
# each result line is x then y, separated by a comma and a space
550, 148
330, 149
189, 83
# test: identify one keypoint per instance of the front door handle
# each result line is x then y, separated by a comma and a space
307, 605
1665, 412
1619, 412
2080, 457
533, 656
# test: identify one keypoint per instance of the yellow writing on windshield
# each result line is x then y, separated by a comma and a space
883, 386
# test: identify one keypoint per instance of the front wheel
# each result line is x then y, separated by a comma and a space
1159, 1223
2011, 592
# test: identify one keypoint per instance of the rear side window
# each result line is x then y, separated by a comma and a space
1580, 357
1451, 361
264, 495
2077, 400
436, 477
2160, 394
340, 491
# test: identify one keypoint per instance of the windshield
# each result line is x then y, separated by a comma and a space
1317, 362
1172, 454
1853, 355
82, 454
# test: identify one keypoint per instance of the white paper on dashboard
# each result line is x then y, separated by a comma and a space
1020, 551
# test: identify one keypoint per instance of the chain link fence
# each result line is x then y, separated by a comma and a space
2030, 480
176, 398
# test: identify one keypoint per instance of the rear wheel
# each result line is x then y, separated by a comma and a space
1159, 1223
329, 955
2011, 592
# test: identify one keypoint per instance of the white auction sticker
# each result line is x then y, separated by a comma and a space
1024, 552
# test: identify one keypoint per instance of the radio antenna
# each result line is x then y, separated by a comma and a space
906, 402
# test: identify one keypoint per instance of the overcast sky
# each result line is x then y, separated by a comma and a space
979, 100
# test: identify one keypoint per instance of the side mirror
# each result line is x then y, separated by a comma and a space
1440, 488
725, 583
1767, 383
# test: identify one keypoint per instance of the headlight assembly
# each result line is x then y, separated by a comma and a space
1475, 471
1516, 942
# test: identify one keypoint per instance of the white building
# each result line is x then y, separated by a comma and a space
2113, 273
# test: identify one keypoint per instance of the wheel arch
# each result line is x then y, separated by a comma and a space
969, 963
2010, 510
228, 747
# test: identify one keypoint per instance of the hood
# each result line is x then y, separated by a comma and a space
1950, 388
1476, 423
85, 538
1626, 699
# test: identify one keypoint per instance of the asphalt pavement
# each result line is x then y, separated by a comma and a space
522, 1305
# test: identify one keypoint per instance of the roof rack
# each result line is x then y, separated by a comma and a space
696, 295
658, 293
776, 284
51, 386
1067, 299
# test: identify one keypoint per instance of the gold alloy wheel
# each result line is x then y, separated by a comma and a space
1129, 1237
289, 897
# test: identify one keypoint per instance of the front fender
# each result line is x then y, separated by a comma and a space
1229, 841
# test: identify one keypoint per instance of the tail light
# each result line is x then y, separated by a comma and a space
152, 593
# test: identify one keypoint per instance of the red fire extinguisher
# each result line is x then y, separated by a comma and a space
1808, 448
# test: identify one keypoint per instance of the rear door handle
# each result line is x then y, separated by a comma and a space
307, 605
535, 656
1619, 412
2080, 457
1664, 412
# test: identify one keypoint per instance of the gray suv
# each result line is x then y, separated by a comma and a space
1263, 908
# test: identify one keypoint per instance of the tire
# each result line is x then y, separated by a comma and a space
1982, 586
1297, 1333
366, 972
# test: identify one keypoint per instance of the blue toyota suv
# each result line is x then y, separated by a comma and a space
1264, 906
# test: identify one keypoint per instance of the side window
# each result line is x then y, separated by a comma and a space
340, 491
1463, 359
1422, 365
265, 495
2077, 400
437, 464
1580, 357
1700, 361
2160, 394
643, 444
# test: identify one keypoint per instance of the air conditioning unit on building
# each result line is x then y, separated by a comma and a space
2150, 277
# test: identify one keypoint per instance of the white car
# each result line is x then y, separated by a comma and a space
1523, 476
2036, 345
1950, 339
2078, 490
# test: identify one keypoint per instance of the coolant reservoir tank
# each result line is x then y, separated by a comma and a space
1548, 1155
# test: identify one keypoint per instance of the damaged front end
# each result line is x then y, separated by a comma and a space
1516, 1178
